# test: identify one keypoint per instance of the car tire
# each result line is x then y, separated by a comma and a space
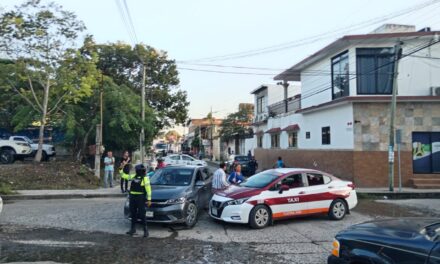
44, 156
260, 217
338, 209
191, 214
7, 156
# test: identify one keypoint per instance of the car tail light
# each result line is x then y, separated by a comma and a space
351, 185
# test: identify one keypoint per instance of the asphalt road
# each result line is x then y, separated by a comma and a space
71, 231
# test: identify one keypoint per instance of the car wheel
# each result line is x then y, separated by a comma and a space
7, 156
260, 217
44, 156
338, 209
191, 215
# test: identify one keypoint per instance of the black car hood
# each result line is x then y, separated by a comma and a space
165, 192
402, 227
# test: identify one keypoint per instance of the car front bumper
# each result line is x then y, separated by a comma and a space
218, 209
335, 260
171, 214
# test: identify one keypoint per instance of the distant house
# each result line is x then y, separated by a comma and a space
340, 122
206, 131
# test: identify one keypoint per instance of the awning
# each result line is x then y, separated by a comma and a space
274, 130
294, 127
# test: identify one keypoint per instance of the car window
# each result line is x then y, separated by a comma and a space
199, 176
174, 157
327, 179
241, 158
187, 158
206, 173
172, 176
259, 180
293, 181
19, 139
315, 179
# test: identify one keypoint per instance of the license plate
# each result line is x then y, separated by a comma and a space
149, 214
214, 211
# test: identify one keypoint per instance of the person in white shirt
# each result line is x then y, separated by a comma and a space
109, 162
219, 181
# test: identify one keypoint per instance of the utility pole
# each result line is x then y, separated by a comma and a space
397, 56
98, 137
142, 136
285, 85
212, 127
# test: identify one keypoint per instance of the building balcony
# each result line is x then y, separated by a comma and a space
290, 105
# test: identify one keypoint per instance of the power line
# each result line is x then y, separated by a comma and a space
311, 39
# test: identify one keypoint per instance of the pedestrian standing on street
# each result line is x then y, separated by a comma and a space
280, 163
140, 196
219, 181
253, 165
124, 170
236, 177
249, 155
109, 162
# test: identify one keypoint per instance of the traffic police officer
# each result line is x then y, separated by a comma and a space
140, 196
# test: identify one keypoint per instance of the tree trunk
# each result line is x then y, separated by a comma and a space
43, 122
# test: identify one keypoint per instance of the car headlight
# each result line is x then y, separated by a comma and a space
237, 202
176, 201
336, 247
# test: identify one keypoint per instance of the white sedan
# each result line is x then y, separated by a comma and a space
283, 193
183, 159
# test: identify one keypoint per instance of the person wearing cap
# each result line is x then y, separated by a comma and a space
139, 197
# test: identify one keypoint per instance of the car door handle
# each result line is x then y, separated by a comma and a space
302, 192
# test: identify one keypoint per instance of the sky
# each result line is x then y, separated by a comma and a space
194, 29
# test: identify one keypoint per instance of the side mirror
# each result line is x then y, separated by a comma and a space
200, 183
284, 188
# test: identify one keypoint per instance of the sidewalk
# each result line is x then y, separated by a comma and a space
65, 194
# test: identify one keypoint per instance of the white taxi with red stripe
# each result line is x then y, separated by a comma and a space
283, 193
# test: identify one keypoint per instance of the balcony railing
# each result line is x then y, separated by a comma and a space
290, 105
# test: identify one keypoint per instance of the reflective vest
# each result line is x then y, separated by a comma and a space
140, 185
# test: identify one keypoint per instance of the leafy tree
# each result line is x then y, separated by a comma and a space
172, 136
124, 64
236, 124
47, 72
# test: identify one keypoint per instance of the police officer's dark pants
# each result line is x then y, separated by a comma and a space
137, 209
124, 183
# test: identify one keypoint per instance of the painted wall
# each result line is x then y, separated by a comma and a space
416, 74
341, 134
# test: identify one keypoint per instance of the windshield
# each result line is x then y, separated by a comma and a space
259, 180
161, 146
172, 176
241, 158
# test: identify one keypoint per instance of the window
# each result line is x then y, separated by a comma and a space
19, 139
187, 158
340, 76
315, 179
426, 152
307, 135
374, 70
275, 140
293, 140
326, 136
260, 104
259, 141
293, 181
174, 157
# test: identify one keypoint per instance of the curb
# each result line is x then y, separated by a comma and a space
16, 197
399, 196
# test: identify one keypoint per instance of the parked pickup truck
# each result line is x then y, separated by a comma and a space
11, 150
48, 150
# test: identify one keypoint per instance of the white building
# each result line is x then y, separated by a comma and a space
340, 123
